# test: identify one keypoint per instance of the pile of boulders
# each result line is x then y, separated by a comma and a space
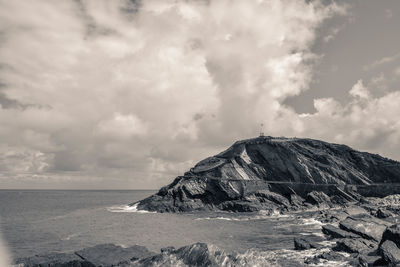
367, 239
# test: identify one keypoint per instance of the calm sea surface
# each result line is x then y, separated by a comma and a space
34, 222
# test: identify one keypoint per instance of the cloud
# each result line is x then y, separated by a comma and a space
142, 91
366, 122
378, 63
332, 33
360, 91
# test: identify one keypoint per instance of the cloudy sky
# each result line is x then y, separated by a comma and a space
123, 94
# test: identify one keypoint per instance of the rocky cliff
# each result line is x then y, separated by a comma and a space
277, 173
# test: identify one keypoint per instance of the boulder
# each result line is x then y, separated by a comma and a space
327, 255
296, 200
317, 198
366, 260
335, 232
303, 244
383, 213
365, 227
110, 254
390, 253
273, 197
53, 259
198, 254
356, 245
392, 233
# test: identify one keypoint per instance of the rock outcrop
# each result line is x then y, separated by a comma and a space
278, 173
304, 243
373, 241
100, 255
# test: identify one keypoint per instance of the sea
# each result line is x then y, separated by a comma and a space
41, 221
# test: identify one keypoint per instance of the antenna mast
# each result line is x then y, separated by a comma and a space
262, 130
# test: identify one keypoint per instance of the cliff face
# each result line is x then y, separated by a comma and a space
270, 173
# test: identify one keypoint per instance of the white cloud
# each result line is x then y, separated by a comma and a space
332, 33
359, 90
382, 61
371, 124
121, 126
114, 88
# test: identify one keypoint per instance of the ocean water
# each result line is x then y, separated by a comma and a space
34, 222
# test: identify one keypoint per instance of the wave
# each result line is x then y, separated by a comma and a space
69, 237
212, 255
261, 215
128, 208
312, 222
283, 257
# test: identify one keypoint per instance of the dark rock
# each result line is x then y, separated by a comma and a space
317, 198
390, 253
392, 233
198, 254
335, 232
367, 227
328, 255
296, 200
239, 206
167, 249
303, 244
53, 259
383, 213
370, 260
273, 197
110, 254
357, 245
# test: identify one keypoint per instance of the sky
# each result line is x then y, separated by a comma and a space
98, 94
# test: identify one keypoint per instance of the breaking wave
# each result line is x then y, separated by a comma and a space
127, 208
216, 257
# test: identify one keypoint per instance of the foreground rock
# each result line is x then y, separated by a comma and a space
303, 244
283, 174
53, 260
199, 254
375, 242
110, 254
100, 255
366, 227
390, 252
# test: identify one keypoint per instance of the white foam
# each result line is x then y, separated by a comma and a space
278, 257
311, 221
223, 219
129, 209
68, 237
262, 215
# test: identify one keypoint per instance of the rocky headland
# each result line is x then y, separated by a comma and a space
278, 174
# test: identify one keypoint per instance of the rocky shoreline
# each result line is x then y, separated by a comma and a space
368, 233
360, 234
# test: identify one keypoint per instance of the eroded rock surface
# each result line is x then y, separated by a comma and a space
101, 255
